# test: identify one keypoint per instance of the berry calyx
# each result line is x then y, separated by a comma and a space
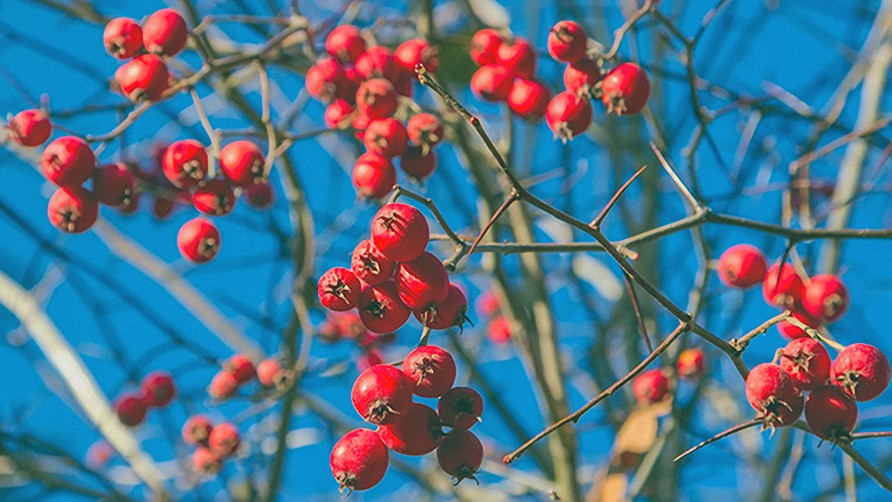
198, 240
339, 289
831, 414
30, 128
400, 232
72, 209
807, 362
625, 89
185, 163
431, 369
450, 312
381, 393
460, 408
460, 455
68, 161
417, 432
861, 371
358, 460
370, 265
380, 308
214, 197
742, 266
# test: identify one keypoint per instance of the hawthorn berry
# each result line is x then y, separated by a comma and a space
529, 98
568, 115
807, 362
460, 454
215, 197
431, 369
373, 175
242, 163
650, 386
338, 114
241, 367
158, 389
771, 392
831, 414
386, 137
417, 164
326, 80
381, 393
345, 43
460, 408
825, 297
369, 265
338, 289
113, 184
492, 82
260, 195
359, 123
131, 410
790, 331
485, 46
499, 330
425, 130
358, 460
165, 32
223, 385
624, 90
376, 98
30, 128
143, 78
205, 462
861, 371
417, 51
519, 58
488, 303
783, 287
567, 41
691, 364
580, 77
376, 62
72, 209
185, 163
122, 37
380, 308
400, 232
742, 266
197, 430
198, 240
450, 312
224, 440
422, 283
68, 161
269, 372
417, 431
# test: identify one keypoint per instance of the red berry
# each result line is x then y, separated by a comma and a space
529, 98
425, 130
224, 440
650, 386
214, 197
691, 364
492, 82
345, 43
205, 462
338, 114
381, 393
185, 163
373, 175
223, 385
431, 369
68, 161
790, 331
488, 303
242, 163
861, 371
568, 115
417, 164
197, 429
400, 232
327, 80
825, 297
358, 460
260, 195
369, 265
30, 128
269, 372
339, 289
380, 308
165, 32
450, 312
485, 46
807, 362
625, 89
359, 123
417, 51
417, 432
113, 184
375, 62
460, 454
580, 77
386, 137
783, 287
422, 283
519, 58
158, 389
131, 410
460, 408
742, 266
376, 98
72, 210
831, 414
499, 330
771, 392
143, 78
241, 367
122, 37
567, 42
198, 240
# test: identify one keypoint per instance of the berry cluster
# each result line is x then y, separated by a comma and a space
362, 85
652, 386
392, 276
382, 395
238, 370
156, 390
214, 443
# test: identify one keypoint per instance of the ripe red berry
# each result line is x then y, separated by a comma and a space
214, 197
376, 62
359, 123
338, 114
338, 289
831, 414
373, 175
400, 232
345, 43
143, 78
790, 331
158, 389
165, 32
197, 429
460, 408
242, 163
131, 410
417, 432
431, 369
422, 283
450, 312
381, 393
568, 115
369, 265
417, 51
567, 42
742, 266
380, 308
650, 386
425, 130
241, 367
861, 371
198, 240
492, 82
825, 297
30, 128
376, 98
625, 89
529, 98
783, 287
499, 330
185, 163
417, 164
113, 184
691, 364
358, 460
68, 161
460, 454
519, 58
269, 372
485, 46
205, 462
386, 137
223, 385
72, 209
327, 80
122, 37
260, 195
224, 440
771, 392
807, 362
580, 77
